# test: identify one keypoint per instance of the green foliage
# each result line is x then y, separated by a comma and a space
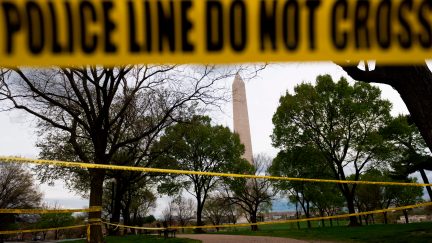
330, 116
407, 151
307, 162
197, 146
372, 197
339, 120
408, 195
53, 220
149, 219
55, 145
200, 141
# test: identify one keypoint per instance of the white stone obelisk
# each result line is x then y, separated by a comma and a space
241, 117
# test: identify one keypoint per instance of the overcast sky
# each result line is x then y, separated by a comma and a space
263, 93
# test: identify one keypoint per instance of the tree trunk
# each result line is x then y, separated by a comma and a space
360, 220
297, 216
351, 209
385, 217
308, 215
405, 212
199, 218
426, 181
96, 188
115, 219
253, 219
126, 212
322, 220
309, 224
126, 219
331, 223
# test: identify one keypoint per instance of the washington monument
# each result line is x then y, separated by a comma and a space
241, 117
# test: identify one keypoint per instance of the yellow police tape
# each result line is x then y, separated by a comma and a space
8, 232
95, 32
46, 211
281, 221
98, 221
133, 227
90, 222
184, 172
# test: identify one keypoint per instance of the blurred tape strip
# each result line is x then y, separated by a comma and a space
46, 211
185, 172
112, 33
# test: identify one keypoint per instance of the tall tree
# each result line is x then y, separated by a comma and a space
199, 146
89, 106
340, 120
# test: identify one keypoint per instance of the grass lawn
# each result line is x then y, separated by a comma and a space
142, 239
394, 233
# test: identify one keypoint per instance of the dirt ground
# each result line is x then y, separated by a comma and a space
209, 238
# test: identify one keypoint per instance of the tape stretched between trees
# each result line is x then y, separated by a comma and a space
90, 222
98, 221
133, 227
47, 211
8, 232
282, 221
184, 172
76, 32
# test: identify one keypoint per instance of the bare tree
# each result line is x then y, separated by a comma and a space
17, 190
169, 213
90, 105
217, 210
137, 203
252, 195
184, 210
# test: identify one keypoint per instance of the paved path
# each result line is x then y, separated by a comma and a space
216, 238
